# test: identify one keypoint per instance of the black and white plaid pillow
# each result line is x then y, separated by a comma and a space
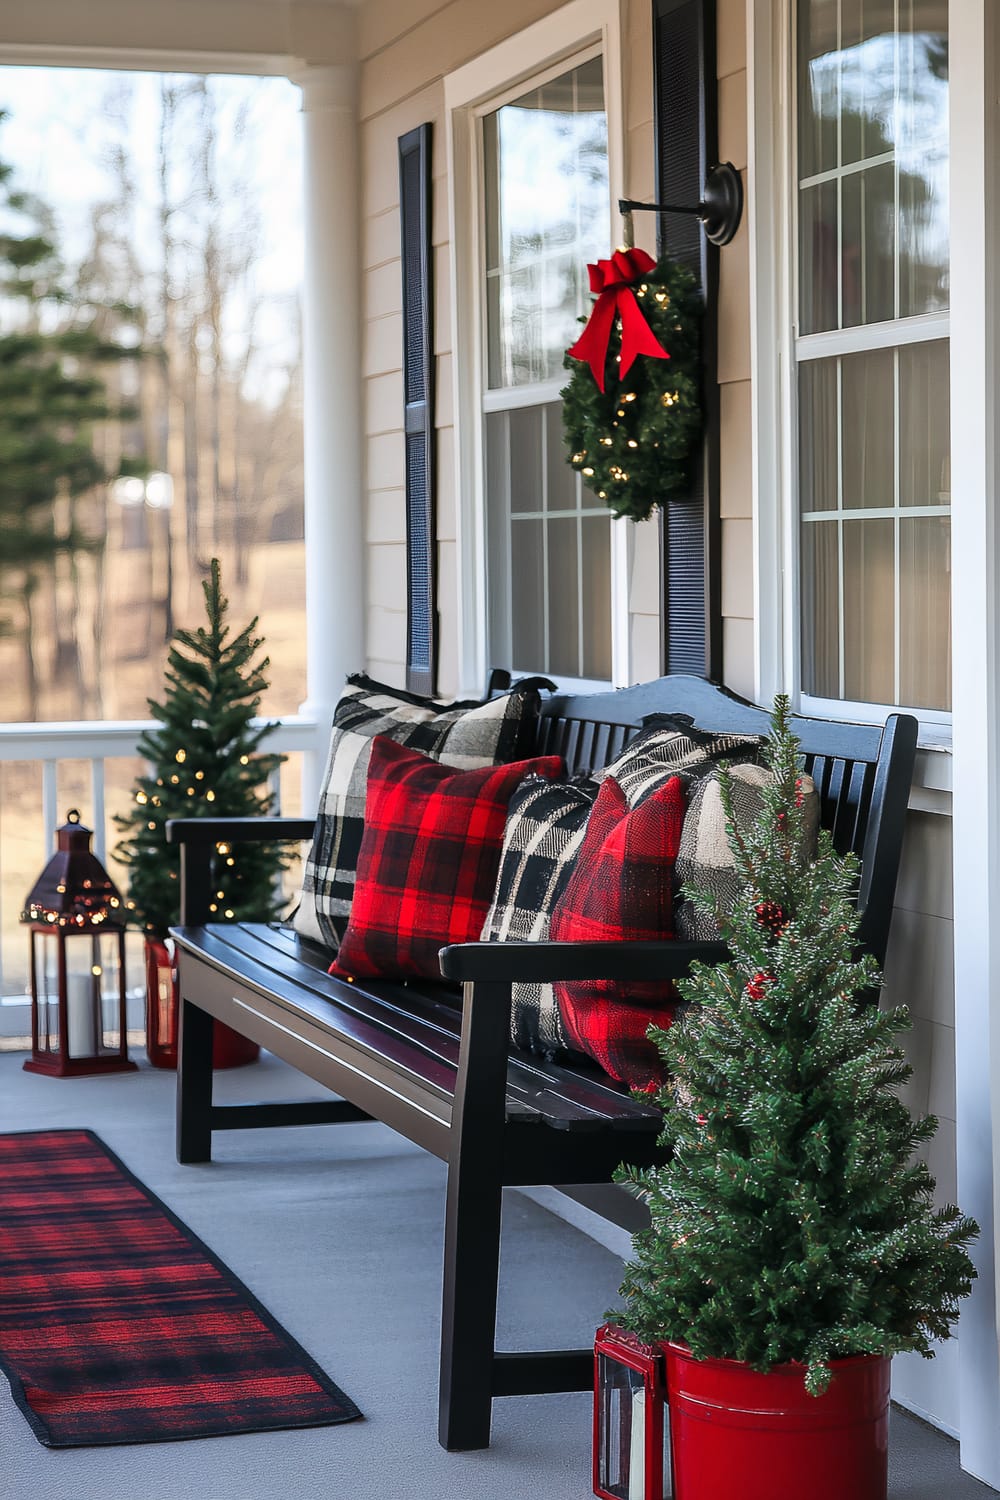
544, 830
467, 735
670, 745
705, 859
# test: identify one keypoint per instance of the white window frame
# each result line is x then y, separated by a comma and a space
775, 356
974, 765
568, 35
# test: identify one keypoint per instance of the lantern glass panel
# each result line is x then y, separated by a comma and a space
45, 987
83, 996
621, 1435
93, 984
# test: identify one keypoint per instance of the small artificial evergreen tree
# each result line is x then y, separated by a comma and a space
204, 763
791, 1221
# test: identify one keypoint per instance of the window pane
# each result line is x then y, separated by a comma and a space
547, 556
818, 257
866, 55
546, 186
596, 574
564, 597
869, 608
868, 242
497, 449
818, 85
873, 123
868, 440
872, 157
922, 152
563, 486
923, 233
527, 571
925, 611
924, 446
818, 422
524, 434
820, 609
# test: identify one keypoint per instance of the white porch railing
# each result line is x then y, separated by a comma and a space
50, 746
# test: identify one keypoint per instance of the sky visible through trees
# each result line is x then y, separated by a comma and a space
180, 196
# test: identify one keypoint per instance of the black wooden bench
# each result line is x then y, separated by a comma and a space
442, 1072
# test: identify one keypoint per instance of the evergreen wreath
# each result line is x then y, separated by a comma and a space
634, 442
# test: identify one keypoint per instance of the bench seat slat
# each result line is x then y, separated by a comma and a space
416, 1034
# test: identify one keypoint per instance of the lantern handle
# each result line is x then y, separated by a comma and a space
73, 816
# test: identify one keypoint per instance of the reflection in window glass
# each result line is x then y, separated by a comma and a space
546, 175
545, 184
874, 487
874, 456
873, 160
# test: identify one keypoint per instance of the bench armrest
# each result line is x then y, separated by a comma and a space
202, 831
508, 963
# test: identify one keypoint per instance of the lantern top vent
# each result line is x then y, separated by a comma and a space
74, 891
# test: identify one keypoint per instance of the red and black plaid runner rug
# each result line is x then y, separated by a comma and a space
117, 1325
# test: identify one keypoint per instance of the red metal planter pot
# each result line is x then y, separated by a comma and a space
738, 1434
229, 1049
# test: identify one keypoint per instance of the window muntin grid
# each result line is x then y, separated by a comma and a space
546, 214
874, 461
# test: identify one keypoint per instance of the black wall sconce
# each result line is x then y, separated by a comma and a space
720, 209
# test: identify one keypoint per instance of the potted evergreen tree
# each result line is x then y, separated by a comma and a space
204, 761
794, 1246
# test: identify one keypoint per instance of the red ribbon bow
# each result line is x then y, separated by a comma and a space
611, 281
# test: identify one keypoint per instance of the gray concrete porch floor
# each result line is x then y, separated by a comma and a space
338, 1231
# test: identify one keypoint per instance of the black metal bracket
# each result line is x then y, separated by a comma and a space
720, 209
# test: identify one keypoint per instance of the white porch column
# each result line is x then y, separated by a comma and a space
975, 428
331, 395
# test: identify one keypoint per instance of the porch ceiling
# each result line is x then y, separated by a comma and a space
259, 36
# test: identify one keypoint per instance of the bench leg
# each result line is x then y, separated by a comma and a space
194, 1084
468, 1321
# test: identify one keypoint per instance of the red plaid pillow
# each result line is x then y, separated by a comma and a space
621, 888
428, 861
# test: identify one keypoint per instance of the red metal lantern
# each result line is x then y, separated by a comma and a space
77, 921
631, 1429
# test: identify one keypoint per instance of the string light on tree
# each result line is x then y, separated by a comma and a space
206, 761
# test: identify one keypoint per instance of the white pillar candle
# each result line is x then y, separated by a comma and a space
80, 1021
637, 1450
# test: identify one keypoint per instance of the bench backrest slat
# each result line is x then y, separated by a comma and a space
862, 771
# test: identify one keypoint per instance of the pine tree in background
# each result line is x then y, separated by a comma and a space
791, 1221
204, 763
55, 353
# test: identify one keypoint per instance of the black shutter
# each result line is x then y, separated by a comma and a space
686, 145
418, 396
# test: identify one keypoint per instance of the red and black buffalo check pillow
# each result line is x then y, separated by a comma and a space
621, 889
465, 735
428, 861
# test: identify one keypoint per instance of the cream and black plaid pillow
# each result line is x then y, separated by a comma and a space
544, 830
467, 735
670, 745
705, 859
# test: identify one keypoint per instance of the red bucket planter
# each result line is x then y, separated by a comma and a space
229, 1049
746, 1436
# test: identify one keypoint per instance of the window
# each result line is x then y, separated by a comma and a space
872, 351
545, 213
